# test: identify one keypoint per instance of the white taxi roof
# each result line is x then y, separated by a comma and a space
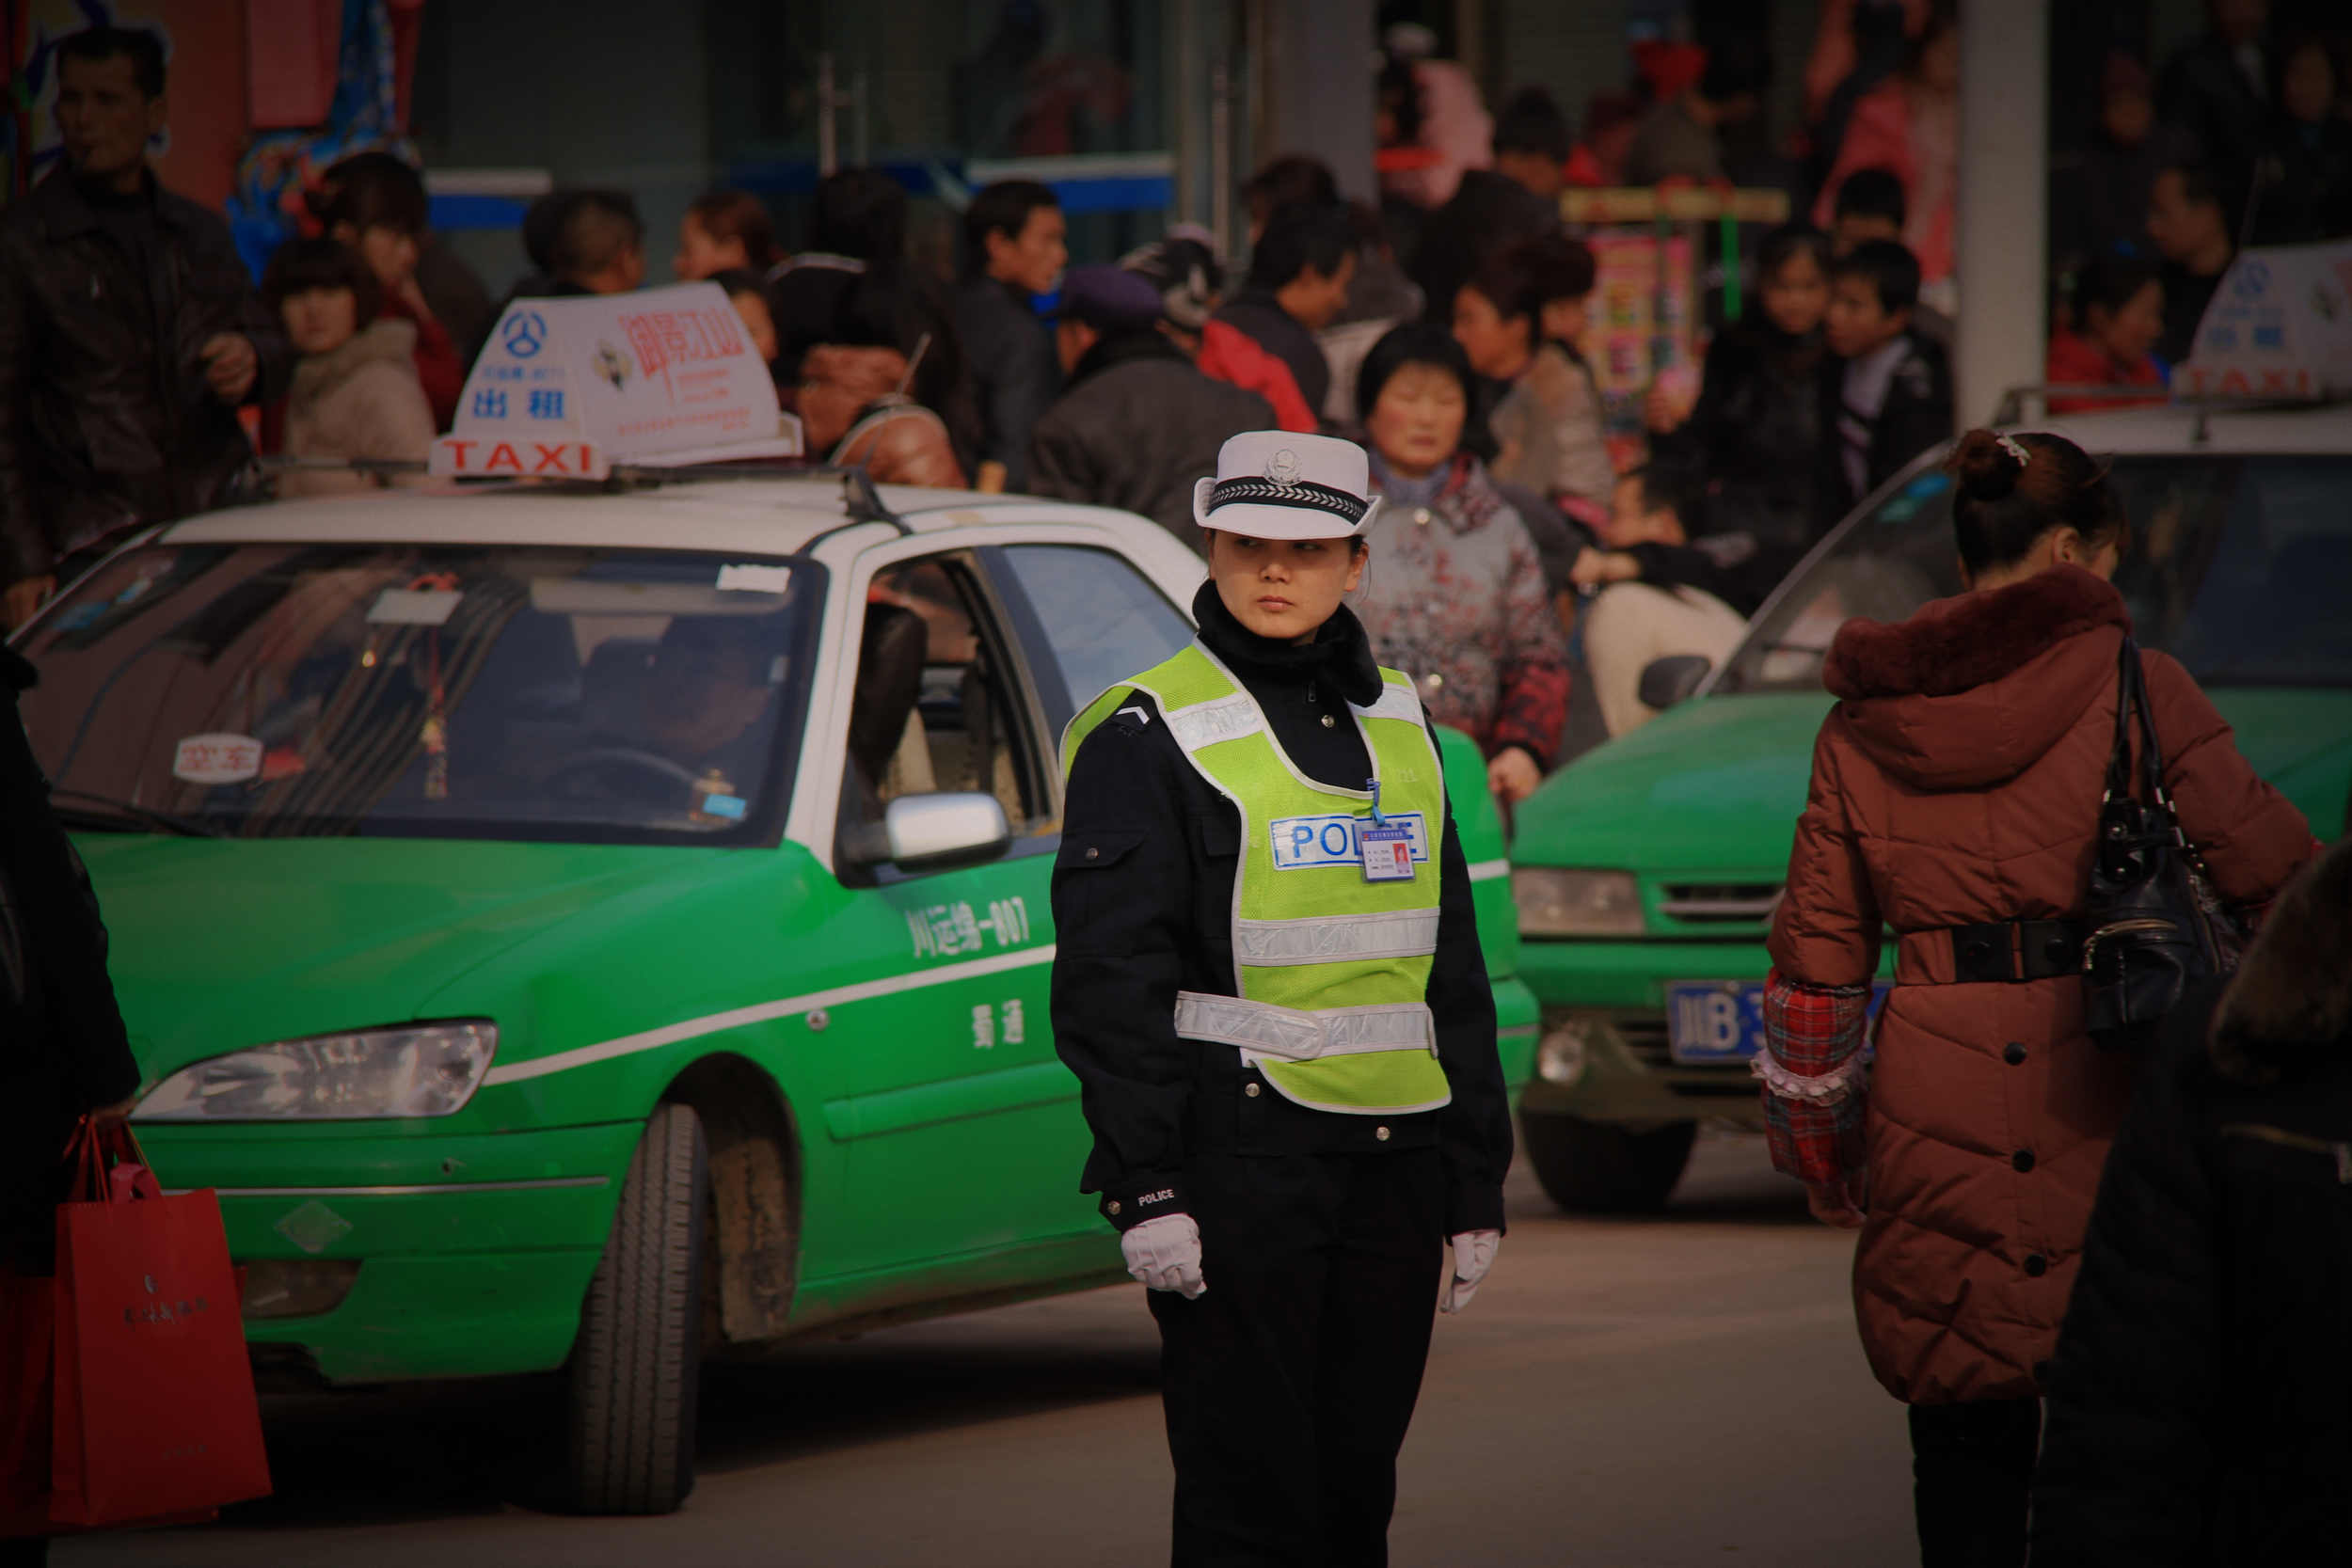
2175, 428
736, 516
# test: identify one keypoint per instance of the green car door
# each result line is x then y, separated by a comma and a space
958, 1124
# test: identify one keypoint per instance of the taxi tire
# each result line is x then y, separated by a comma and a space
636, 1367
1594, 1168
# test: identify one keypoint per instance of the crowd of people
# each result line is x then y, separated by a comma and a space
352, 353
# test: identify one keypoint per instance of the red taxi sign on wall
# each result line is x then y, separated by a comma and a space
567, 388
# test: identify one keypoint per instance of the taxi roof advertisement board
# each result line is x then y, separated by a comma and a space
2279, 327
567, 388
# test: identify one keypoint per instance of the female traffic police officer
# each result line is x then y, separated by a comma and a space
1269, 985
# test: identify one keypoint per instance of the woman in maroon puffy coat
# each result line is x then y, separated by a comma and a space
1955, 798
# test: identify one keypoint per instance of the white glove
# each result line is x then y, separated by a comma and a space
1165, 1254
1473, 1255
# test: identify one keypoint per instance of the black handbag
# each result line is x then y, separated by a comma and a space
2156, 929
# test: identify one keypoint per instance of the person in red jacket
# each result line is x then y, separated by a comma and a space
375, 203
1190, 282
1953, 813
1909, 124
2119, 315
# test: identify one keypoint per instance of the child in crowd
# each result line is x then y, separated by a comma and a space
1755, 434
2119, 315
1871, 205
356, 392
726, 232
375, 204
1889, 397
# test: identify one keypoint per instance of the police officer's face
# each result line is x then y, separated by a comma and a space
1284, 589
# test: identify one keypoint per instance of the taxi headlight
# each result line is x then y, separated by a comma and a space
1556, 903
425, 1070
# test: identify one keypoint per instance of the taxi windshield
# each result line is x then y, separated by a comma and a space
446, 691
2239, 566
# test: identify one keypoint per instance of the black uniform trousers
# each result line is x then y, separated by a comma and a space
1291, 1380
1972, 1469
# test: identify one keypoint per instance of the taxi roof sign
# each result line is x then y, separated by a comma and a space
2279, 329
567, 387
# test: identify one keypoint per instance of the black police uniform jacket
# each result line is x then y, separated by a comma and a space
63, 1050
1143, 890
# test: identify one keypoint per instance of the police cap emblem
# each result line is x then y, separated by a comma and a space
1283, 468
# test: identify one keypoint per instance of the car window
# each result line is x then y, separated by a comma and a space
2245, 582
2238, 567
469, 693
1088, 617
936, 706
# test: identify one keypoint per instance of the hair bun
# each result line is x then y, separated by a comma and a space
1984, 465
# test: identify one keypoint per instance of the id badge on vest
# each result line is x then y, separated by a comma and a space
1386, 851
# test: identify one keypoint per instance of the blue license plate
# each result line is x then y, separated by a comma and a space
1712, 1022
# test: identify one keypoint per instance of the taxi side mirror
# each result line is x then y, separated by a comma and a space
930, 829
1667, 681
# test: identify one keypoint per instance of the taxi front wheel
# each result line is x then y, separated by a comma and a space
1592, 1168
636, 1365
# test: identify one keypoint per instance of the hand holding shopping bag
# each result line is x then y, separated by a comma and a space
155, 1410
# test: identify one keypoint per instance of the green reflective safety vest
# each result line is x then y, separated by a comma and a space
1332, 971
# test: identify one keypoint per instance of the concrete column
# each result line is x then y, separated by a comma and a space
2003, 214
1316, 86
1191, 52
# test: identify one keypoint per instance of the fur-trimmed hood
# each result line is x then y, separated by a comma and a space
1972, 690
2290, 1006
1955, 645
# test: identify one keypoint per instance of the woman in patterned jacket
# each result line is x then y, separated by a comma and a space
1457, 599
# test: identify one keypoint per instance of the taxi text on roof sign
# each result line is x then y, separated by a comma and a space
567, 388
2279, 327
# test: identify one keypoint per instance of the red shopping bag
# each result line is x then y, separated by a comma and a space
154, 1410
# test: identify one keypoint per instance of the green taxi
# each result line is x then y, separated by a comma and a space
597, 930
1648, 871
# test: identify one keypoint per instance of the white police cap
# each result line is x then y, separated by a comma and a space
1273, 485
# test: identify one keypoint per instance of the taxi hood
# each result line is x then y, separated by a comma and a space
221, 943
1711, 785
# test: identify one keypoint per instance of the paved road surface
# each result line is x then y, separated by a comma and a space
1679, 1391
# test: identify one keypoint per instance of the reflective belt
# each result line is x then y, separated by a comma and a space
1303, 1036
1403, 934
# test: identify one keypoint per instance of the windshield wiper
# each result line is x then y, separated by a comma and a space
67, 807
